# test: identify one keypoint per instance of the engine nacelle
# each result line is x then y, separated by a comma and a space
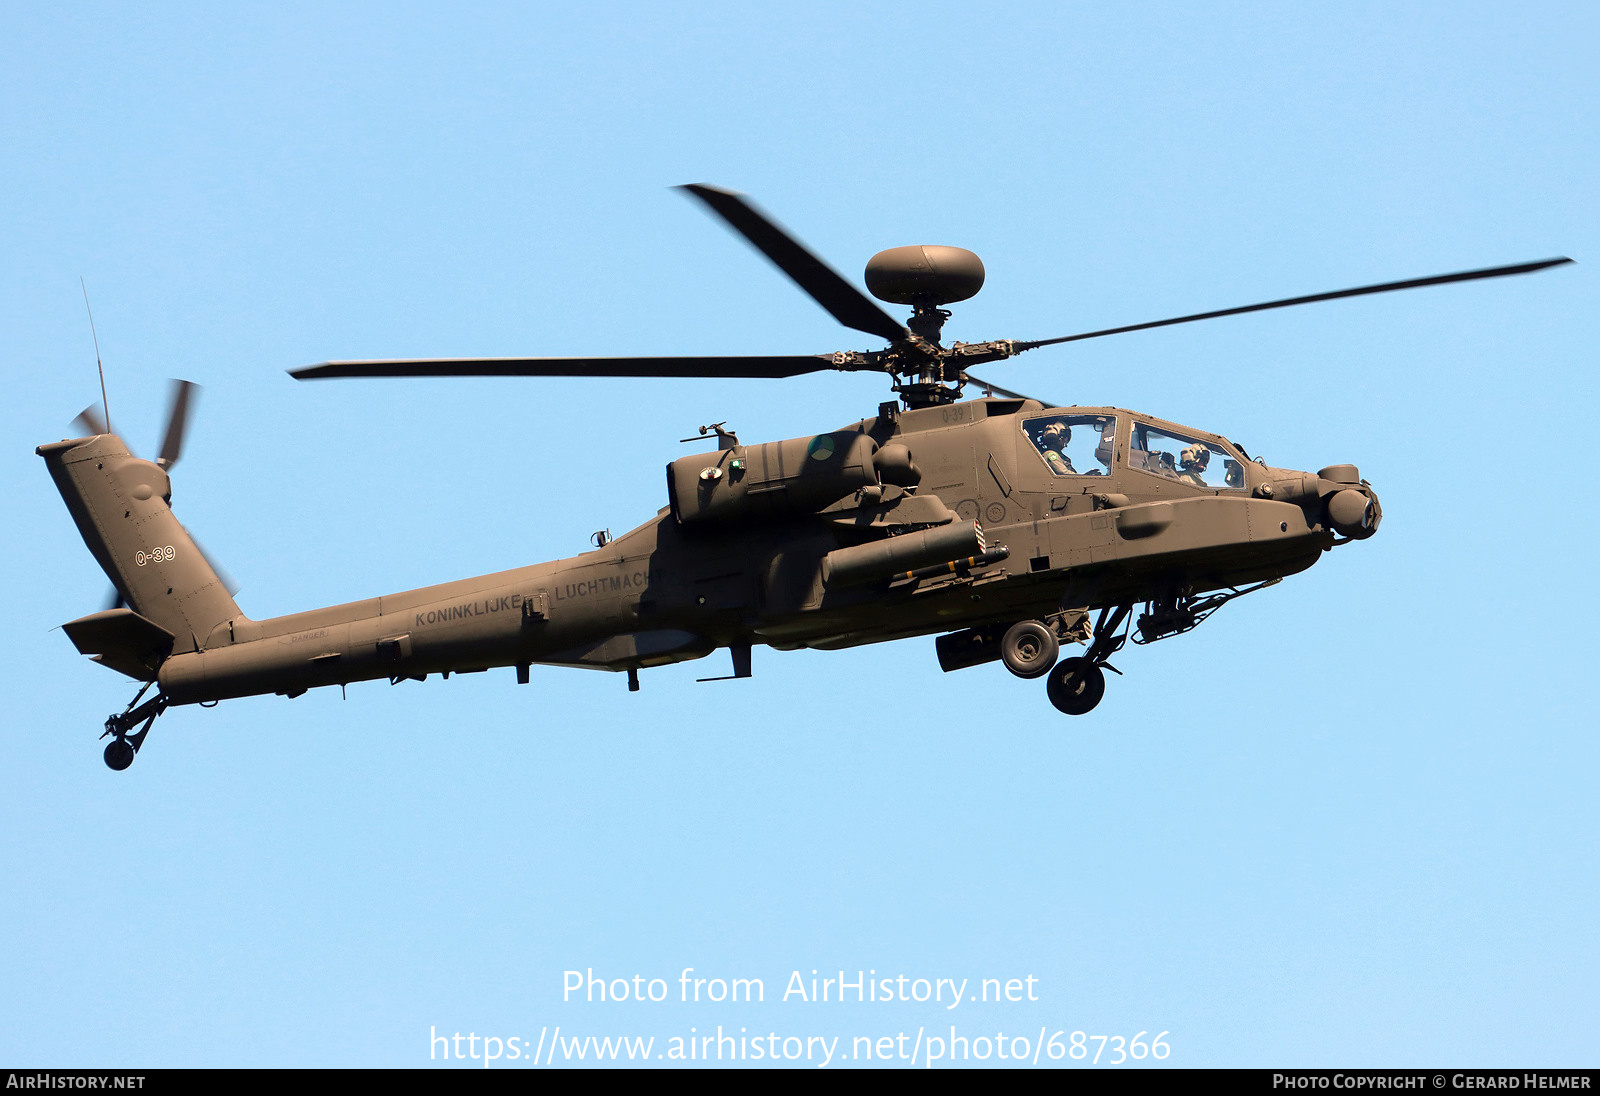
775, 480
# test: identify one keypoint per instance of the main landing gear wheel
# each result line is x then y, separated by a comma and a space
1029, 649
1076, 685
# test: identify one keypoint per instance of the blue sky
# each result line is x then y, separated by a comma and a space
1348, 822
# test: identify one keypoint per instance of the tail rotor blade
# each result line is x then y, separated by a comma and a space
229, 583
183, 394
90, 422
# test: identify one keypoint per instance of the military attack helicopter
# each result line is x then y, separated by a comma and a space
1003, 526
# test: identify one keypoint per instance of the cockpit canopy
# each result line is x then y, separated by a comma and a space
1084, 444
1073, 445
1189, 460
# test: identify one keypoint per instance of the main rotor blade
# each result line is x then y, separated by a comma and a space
968, 378
735, 366
1413, 283
844, 302
183, 393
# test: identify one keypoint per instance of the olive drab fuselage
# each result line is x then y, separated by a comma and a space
972, 515
999, 525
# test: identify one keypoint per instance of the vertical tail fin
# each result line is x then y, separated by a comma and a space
122, 507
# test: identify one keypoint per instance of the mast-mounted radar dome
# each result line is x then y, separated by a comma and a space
924, 274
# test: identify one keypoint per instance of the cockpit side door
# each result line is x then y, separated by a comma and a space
1159, 455
1069, 455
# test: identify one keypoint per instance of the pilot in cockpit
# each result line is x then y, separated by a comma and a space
1193, 462
1053, 442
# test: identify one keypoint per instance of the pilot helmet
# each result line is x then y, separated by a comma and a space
1196, 457
1056, 436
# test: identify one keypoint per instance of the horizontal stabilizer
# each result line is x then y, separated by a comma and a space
122, 640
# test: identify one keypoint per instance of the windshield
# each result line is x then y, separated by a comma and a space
1186, 459
1073, 445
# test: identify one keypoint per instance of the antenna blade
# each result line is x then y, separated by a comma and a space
183, 394
1413, 283
90, 422
99, 368
736, 366
843, 301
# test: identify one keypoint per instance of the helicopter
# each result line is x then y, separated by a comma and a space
1006, 527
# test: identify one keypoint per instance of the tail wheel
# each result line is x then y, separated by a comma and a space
1076, 685
1029, 649
119, 754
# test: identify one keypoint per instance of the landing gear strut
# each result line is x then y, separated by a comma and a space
1076, 685
123, 746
